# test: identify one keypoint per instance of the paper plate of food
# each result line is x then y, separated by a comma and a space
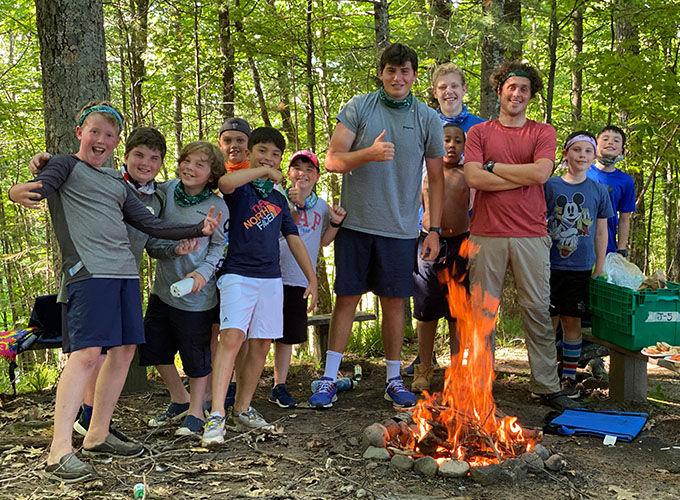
675, 358
660, 350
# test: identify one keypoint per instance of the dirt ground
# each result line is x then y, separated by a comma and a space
317, 455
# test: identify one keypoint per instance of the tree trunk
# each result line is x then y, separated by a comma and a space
493, 54
73, 60
197, 71
178, 114
626, 43
381, 22
288, 123
512, 15
138, 44
227, 55
552, 55
311, 111
577, 73
258, 91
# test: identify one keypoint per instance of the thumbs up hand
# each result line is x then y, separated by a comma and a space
382, 150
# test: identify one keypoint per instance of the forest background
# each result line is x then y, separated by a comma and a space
183, 66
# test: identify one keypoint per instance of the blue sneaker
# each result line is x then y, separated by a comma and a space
398, 394
325, 395
280, 396
231, 395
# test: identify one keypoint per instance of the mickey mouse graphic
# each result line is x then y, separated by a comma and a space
568, 222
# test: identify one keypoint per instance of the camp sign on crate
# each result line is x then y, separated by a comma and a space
633, 319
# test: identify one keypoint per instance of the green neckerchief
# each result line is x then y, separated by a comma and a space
394, 103
608, 162
310, 201
186, 200
263, 188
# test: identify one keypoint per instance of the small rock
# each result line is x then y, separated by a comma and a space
427, 466
361, 493
555, 463
486, 475
542, 451
513, 471
532, 459
402, 462
371, 465
353, 441
392, 428
375, 435
374, 453
404, 416
404, 434
454, 468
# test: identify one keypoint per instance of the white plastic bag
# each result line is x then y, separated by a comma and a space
622, 272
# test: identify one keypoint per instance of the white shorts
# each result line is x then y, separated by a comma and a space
252, 305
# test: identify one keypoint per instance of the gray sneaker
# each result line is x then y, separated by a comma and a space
114, 446
251, 419
70, 469
213, 432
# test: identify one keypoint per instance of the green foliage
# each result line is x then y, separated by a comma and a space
509, 331
366, 339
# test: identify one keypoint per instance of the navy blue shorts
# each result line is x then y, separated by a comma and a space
294, 315
430, 298
103, 312
366, 262
169, 330
569, 293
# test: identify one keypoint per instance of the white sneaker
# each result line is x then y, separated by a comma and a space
213, 432
251, 419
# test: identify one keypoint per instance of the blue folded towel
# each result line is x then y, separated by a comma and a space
624, 425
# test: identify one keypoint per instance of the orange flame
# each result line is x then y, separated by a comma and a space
466, 407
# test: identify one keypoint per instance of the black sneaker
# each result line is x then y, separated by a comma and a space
559, 401
280, 396
81, 426
570, 388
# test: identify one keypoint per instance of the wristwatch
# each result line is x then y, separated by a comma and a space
435, 229
488, 166
623, 252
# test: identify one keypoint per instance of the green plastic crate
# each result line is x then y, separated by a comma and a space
634, 320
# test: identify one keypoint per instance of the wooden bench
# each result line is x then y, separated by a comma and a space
627, 371
319, 341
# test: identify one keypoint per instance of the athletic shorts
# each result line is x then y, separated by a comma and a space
430, 297
252, 305
366, 262
102, 312
294, 315
170, 330
569, 293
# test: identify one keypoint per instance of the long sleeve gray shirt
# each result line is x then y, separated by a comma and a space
89, 208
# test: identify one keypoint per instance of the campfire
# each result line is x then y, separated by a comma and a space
462, 422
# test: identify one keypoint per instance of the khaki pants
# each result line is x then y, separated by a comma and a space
529, 259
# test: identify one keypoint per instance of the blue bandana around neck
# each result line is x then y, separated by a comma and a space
310, 201
263, 188
454, 120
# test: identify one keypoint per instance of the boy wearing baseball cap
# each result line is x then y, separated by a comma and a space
233, 141
317, 224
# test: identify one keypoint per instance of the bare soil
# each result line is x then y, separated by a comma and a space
317, 454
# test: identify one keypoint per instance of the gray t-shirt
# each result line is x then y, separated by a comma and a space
383, 198
311, 226
205, 259
89, 209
